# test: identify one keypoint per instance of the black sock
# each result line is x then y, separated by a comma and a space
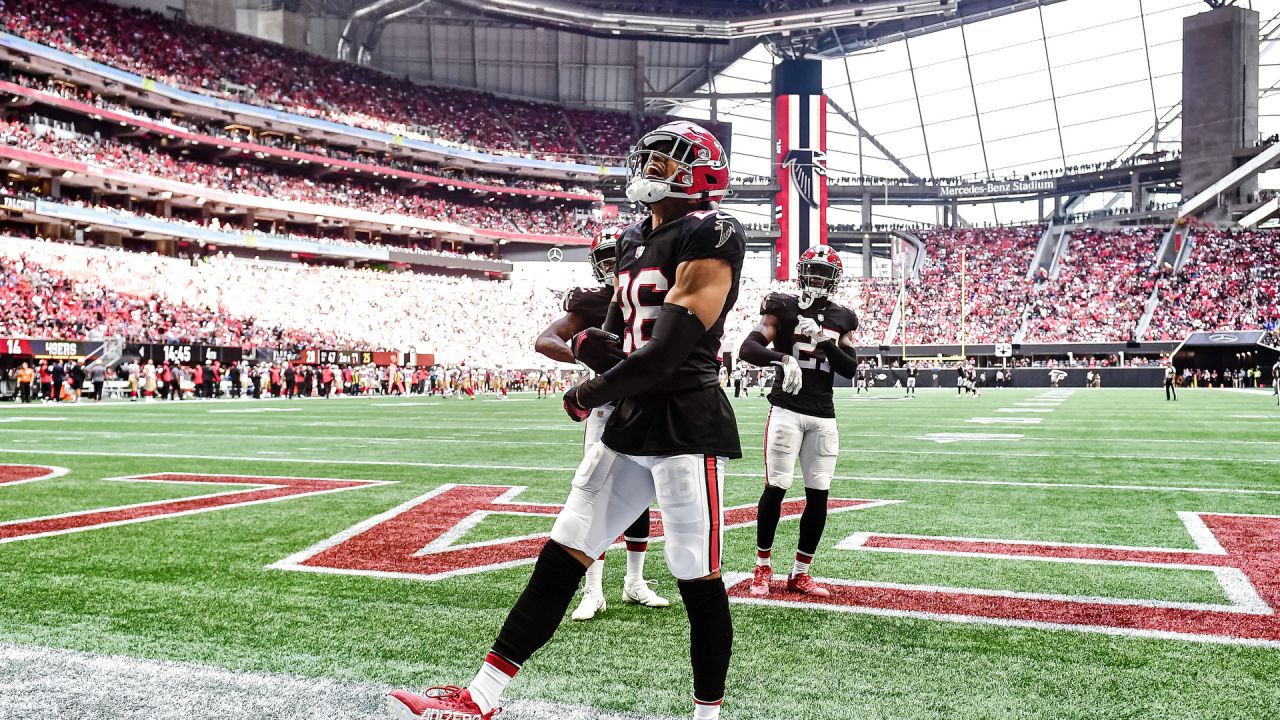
710, 636
639, 528
812, 521
768, 513
541, 607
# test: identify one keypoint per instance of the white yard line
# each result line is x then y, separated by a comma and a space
48, 683
565, 469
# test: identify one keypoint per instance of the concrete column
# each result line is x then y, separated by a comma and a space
867, 220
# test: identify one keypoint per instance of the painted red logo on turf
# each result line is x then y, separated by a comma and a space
259, 490
1243, 551
419, 539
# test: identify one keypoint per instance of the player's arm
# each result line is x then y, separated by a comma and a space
692, 306
554, 341
841, 354
755, 348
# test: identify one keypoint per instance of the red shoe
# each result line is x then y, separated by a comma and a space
805, 585
438, 703
760, 583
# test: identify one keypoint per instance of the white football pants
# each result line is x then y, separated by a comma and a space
791, 436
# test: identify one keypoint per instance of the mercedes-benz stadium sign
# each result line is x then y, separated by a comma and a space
1011, 187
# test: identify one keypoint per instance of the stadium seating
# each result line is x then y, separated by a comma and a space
995, 264
245, 178
213, 62
1103, 281
1230, 282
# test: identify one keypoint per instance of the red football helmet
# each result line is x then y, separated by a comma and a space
604, 254
701, 166
819, 271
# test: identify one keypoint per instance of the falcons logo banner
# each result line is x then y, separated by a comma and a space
801, 165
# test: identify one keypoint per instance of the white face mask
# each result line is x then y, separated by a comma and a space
646, 190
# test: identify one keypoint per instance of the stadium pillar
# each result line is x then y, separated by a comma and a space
1219, 101
800, 162
867, 219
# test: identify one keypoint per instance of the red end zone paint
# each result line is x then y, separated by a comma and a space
14, 474
1250, 556
263, 489
418, 539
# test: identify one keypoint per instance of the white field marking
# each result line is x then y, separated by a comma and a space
1235, 584
407, 404
54, 471
295, 562
1257, 416
565, 469
1246, 391
1025, 410
1092, 456
154, 478
1001, 622
1004, 421
33, 418
131, 689
469, 439
944, 438
247, 411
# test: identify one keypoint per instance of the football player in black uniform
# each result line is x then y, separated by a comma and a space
669, 436
811, 336
1275, 380
911, 379
586, 308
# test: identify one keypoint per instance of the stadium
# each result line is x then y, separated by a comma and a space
453, 359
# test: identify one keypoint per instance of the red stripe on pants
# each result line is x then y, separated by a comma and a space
713, 505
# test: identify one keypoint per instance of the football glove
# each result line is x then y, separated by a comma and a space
573, 407
810, 328
597, 349
791, 375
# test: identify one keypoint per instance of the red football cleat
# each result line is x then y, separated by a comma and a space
805, 585
438, 703
760, 583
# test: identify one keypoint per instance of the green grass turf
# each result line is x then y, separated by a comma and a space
197, 589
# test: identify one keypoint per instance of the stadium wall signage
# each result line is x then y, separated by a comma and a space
1014, 187
50, 349
184, 354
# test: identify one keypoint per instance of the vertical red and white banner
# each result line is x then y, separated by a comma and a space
801, 163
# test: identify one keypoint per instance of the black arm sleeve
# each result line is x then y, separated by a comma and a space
753, 350
675, 333
841, 360
613, 319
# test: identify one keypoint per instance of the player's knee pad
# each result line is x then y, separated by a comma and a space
821, 466
781, 448
574, 523
688, 490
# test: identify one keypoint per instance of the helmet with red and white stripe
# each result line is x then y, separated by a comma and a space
819, 271
699, 168
604, 254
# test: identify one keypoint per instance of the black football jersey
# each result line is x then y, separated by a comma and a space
815, 396
591, 304
689, 413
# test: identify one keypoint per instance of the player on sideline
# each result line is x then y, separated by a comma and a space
811, 335
911, 379
670, 434
1170, 375
586, 308
1275, 380
863, 381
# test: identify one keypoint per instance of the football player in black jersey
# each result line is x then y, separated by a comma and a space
911, 379
671, 432
812, 336
586, 308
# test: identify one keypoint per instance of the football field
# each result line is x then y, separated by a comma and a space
1032, 553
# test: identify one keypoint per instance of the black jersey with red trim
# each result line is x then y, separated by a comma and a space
591, 304
815, 397
689, 413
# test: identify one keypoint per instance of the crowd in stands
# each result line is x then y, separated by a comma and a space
1104, 278
994, 266
431, 204
241, 133
912, 181
220, 64
1231, 281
